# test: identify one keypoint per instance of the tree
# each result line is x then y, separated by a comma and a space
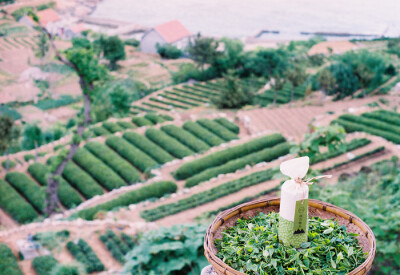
113, 50
203, 50
235, 95
231, 56
6, 124
121, 100
326, 81
346, 83
42, 46
33, 137
297, 76
265, 62
277, 84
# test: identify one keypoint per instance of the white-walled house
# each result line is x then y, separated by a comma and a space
172, 32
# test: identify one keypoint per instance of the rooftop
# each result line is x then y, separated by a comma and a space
47, 16
172, 31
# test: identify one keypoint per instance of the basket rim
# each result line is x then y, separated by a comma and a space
275, 201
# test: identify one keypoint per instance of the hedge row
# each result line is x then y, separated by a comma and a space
8, 262
153, 190
228, 125
155, 119
126, 124
112, 127
98, 170
168, 143
217, 129
128, 240
156, 106
148, 147
353, 127
360, 156
385, 116
141, 121
168, 103
203, 89
350, 146
265, 155
50, 103
15, 205
115, 245
123, 168
207, 196
66, 194
376, 124
166, 117
140, 108
79, 179
132, 154
100, 131
43, 265
83, 253
184, 96
193, 93
180, 100
28, 188
202, 133
186, 138
221, 157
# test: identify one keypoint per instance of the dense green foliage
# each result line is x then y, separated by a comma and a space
7, 111
217, 129
186, 138
141, 121
112, 127
126, 124
8, 262
169, 51
231, 126
50, 103
116, 245
84, 253
153, 190
169, 144
202, 133
43, 265
155, 119
100, 131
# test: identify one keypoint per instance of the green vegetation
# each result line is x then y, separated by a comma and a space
116, 245
202, 133
169, 51
217, 129
126, 124
168, 143
83, 253
100, 131
12, 113
11, 164
153, 190
8, 262
228, 125
43, 265
112, 127
155, 119
186, 138
141, 121
169, 103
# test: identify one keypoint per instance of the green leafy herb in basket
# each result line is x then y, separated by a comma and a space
252, 246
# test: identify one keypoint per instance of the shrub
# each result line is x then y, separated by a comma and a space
167, 117
207, 196
50, 103
132, 154
80, 256
12, 113
149, 147
221, 157
15, 205
28, 157
153, 190
112, 127
228, 124
217, 129
186, 138
168, 143
123, 247
141, 121
8, 262
112, 159
81, 181
113, 248
67, 195
126, 124
91, 256
265, 155
11, 164
169, 51
155, 119
28, 188
97, 169
128, 240
132, 42
43, 265
100, 131
202, 133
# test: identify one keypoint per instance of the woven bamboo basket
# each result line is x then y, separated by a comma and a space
315, 208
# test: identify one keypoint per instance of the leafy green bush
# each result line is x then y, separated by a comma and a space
43, 265
28, 157
153, 190
126, 124
168, 143
15, 205
221, 157
166, 117
202, 133
12, 113
228, 125
132, 154
67, 195
148, 147
100, 131
8, 262
128, 240
208, 196
264, 155
81, 181
217, 129
112, 127
132, 42
113, 248
50, 103
84, 254
174, 250
169, 51
141, 121
186, 138
123, 168
11, 164
155, 119
91, 256
98, 170
17, 14
28, 188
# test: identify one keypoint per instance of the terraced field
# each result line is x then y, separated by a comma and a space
283, 96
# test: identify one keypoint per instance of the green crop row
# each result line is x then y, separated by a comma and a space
28, 188
98, 170
228, 125
168, 103
126, 124
217, 129
156, 106
385, 116
15, 205
184, 96
155, 119
141, 121
265, 155
66, 194
43, 265
207, 196
148, 147
123, 168
140, 108
8, 262
168, 143
221, 157
100, 131
50, 103
186, 138
112, 127
180, 100
84, 253
132, 154
153, 190
203, 89
115, 245
373, 123
202, 133
193, 93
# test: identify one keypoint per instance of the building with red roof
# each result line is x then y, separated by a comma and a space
172, 32
47, 16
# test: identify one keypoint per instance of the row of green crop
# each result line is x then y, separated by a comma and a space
153, 190
207, 196
117, 245
155, 106
44, 265
186, 96
385, 116
179, 100
202, 133
8, 261
84, 254
50, 103
228, 124
282, 96
143, 109
217, 129
186, 138
169, 144
169, 103
193, 93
